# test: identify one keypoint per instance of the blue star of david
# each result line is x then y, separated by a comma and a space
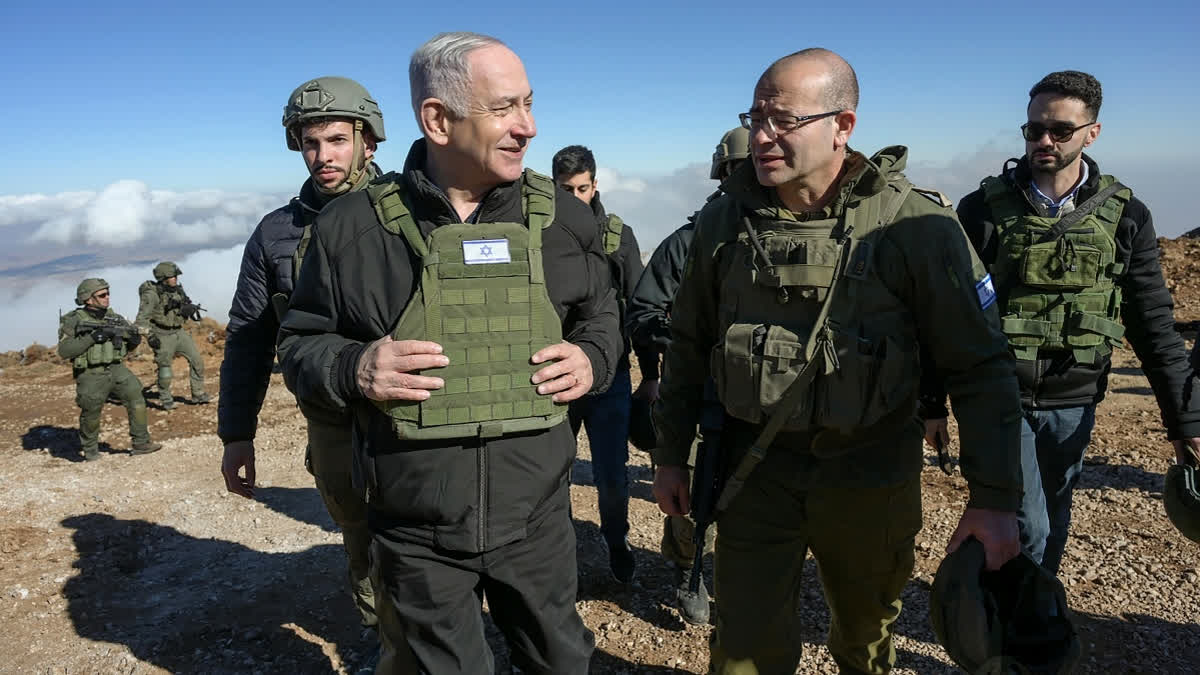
485, 251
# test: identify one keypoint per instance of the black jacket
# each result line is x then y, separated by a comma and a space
253, 327
648, 319
625, 265
1055, 380
355, 282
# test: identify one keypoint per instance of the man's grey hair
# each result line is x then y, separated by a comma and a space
439, 69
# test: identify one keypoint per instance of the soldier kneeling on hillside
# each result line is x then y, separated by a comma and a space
96, 339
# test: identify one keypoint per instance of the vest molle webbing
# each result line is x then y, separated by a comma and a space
613, 226
99, 354
490, 318
1059, 293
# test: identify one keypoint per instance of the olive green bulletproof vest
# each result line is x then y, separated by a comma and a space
613, 226
801, 300
101, 354
162, 318
482, 296
1059, 294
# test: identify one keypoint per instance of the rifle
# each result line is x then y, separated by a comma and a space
117, 328
187, 308
708, 479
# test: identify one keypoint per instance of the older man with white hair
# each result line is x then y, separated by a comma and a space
456, 308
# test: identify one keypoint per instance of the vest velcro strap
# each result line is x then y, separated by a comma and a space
1095, 324
1115, 269
1026, 327
818, 276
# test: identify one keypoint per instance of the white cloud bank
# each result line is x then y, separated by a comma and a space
54, 241
128, 212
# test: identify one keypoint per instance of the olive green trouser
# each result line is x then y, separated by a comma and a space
173, 343
862, 540
92, 387
328, 459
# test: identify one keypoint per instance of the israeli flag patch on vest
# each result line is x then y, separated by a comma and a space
486, 251
986, 292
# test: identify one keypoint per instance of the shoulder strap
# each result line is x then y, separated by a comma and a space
1071, 219
537, 203
301, 249
387, 198
613, 227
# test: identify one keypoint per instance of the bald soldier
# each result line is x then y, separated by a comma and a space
810, 286
95, 339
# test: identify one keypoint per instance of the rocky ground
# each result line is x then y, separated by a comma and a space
147, 565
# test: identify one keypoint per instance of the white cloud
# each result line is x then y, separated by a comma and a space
128, 212
655, 206
30, 314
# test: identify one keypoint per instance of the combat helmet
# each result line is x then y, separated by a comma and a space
330, 97
1181, 497
1012, 620
87, 288
166, 270
734, 145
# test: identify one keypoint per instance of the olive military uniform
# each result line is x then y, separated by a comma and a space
160, 313
95, 342
814, 321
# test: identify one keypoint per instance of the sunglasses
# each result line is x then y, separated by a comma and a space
100, 296
1059, 133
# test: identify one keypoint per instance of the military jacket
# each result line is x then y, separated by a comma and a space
160, 306
747, 314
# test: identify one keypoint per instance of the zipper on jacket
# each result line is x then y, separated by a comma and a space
483, 508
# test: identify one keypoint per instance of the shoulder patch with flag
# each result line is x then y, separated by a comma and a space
986, 292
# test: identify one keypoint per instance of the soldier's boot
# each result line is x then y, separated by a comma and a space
164, 387
145, 448
693, 606
202, 397
91, 454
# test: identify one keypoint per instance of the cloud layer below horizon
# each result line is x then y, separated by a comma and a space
55, 240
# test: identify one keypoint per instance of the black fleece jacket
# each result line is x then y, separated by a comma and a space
1055, 380
356, 279
625, 264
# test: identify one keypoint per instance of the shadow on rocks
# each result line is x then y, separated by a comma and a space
641, 479
1098, 472
1136, 643
302, 504
60, 442
193, 605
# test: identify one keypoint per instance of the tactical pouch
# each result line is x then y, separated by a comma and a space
873, 377
798, 264
754, 368
1061, 265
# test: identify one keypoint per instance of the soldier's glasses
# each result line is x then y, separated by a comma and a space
1059, 133
101, 296
779, 124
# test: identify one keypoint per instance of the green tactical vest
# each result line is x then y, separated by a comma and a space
1059, 294
160, 317
490, 318
613, 227
781, 275
101, 354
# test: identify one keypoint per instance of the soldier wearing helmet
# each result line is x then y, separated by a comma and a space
163, 311
648, 322
95, 339
336, 126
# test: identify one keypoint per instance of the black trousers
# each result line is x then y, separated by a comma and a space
429, 602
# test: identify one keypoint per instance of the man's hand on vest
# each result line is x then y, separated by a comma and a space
996, 530
568, 377
387, 369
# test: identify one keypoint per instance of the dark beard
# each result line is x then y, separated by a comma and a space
1060, 162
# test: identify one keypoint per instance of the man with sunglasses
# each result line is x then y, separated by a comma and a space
810, 287
1074, 258
95, 339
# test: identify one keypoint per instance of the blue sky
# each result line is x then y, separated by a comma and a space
138, 131
188, 95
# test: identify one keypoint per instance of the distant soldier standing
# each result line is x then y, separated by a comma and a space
162, 313
96, 339
336, 126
